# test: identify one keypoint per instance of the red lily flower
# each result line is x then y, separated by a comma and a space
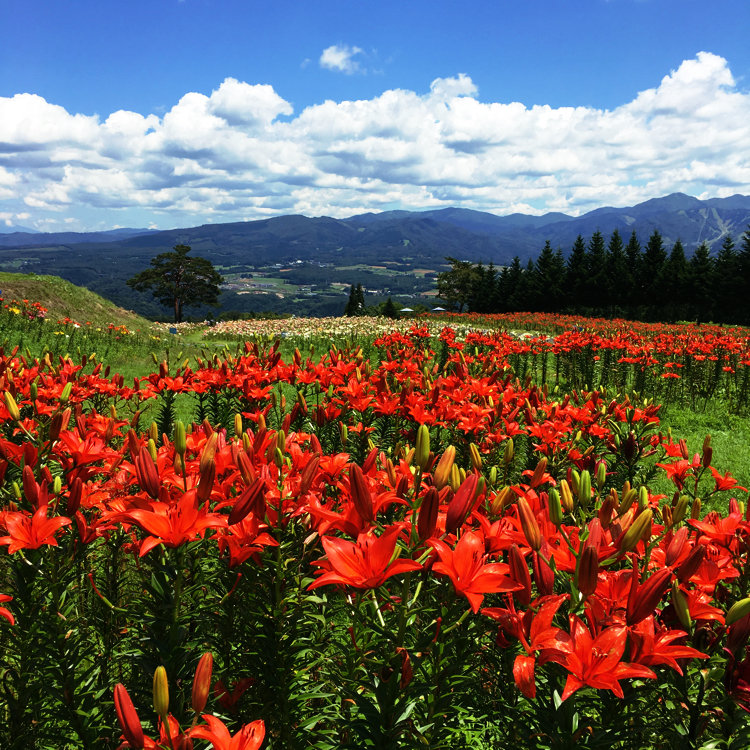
173, 524
537, 634
465, 566
250, 737
650, 647
595, 662
30, 532
364, 565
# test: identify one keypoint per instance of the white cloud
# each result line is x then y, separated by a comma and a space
340, 58
241, 152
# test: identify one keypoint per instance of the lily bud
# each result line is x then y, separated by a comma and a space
442, 473
202, 682
644, 597
529, 524
555, 507
519, 572
476, 458
674, 550
209, 451
428, 513
180, 438
461, 504
738, 610
539, 469
343, 433
679, 602
245, 466
502, 499
643, 497
238, 429
207, 475
308, 474
147, 474
456, 479
128, 718
695, 509
390, 470
509, 452
584, 488
161, 693
680, 509
74, 499
360, 493
152, 450
601, 474
252, 499
66, 391
566, 496
587, 574
636, 531
422, 450
11, 406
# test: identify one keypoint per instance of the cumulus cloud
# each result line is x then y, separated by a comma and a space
340, 58
241, 152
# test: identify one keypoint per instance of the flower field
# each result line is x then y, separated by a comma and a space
435, 537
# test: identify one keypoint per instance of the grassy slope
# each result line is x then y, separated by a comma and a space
63, 299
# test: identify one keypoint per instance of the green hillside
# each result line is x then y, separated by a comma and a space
63, 299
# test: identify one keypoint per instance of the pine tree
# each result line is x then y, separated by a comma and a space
509, 287
726, 287
596, 272
575, 276
652, 268
389, 309
546, 281
701, 269
617, 273
633, 282
674, 290
356, 304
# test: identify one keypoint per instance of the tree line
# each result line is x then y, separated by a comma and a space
612, 279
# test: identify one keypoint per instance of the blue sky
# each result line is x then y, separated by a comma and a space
177, 112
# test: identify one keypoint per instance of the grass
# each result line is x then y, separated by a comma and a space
730, 440
63, 299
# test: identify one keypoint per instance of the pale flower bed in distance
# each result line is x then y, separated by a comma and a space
306, 328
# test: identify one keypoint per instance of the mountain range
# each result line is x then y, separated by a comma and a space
431, 234
408, 241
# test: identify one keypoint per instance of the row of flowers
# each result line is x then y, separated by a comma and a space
384, 529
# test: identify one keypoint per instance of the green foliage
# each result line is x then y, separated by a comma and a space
177, 280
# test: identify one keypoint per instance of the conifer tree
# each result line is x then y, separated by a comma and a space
575, 275
617, 273
674, 290
726, 288
652, 269
633, 281
545, 282
701, 269
596, 272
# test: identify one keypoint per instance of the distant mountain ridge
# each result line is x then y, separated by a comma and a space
325, 255
431, 234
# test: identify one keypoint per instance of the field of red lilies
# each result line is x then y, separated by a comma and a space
423, 540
